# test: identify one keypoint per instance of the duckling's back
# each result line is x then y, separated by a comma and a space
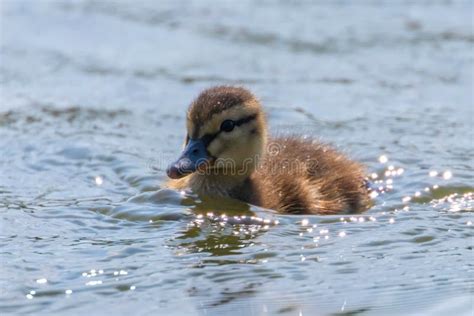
302, 176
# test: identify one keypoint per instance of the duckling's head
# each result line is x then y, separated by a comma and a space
226, 134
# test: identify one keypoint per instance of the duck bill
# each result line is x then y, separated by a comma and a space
194, 157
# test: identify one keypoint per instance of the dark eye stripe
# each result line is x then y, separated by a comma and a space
245, 120
208, 138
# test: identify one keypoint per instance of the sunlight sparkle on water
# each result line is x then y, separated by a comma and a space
99, 180
383, 159
68, 292
433, 173
447, 175
41, 281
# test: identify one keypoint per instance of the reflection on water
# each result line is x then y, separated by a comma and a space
88, 124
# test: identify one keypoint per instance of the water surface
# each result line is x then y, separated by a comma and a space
92, 109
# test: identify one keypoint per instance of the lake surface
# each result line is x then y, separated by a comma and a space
93, 101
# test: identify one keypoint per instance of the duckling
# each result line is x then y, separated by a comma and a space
229, 154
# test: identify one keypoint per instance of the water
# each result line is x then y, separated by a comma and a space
92, 109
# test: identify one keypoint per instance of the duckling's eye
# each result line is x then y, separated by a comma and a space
227, 126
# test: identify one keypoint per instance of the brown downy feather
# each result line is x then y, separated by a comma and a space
308, 177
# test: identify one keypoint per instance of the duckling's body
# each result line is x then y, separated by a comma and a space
236, 160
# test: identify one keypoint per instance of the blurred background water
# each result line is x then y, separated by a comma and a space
93, 100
